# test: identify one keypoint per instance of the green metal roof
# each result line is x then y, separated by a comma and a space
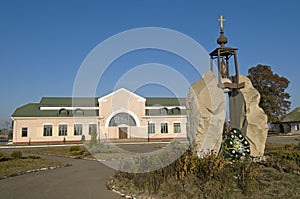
68, 101
33, 109
165, 102
293, 116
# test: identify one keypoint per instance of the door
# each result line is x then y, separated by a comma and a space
123, 132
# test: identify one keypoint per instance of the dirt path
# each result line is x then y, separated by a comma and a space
84, 179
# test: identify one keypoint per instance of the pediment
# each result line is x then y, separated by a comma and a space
122, 93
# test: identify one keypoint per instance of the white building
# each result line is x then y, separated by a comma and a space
118, 115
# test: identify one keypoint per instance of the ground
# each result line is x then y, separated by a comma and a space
84, 179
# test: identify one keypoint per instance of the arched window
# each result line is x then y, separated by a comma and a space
79, 112
176, 111
164, 111
122, 118
63, 112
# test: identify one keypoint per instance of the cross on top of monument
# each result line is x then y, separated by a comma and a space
221, 20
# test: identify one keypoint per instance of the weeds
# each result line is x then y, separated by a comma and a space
213, 176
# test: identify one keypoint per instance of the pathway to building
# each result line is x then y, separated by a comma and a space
84, 179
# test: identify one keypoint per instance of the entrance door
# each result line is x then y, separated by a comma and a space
123, 132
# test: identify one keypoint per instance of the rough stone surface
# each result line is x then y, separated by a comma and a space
237, 111
255, 126
205, 115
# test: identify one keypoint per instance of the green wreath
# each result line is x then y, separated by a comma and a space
236, 146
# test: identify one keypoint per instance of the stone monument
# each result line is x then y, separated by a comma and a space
206, 106
206, 115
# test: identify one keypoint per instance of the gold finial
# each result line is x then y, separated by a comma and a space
221, 20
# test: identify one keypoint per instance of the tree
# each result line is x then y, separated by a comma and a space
93, 140
272, 88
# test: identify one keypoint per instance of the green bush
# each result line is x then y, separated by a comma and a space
4, 157
75, 153
75, 148
16, 155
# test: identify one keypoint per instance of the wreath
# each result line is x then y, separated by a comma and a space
236, 146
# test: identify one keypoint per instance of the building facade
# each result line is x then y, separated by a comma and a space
289, 124
118, 115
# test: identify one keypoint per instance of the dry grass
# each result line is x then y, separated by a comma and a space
17, 166
60, 152
214, 177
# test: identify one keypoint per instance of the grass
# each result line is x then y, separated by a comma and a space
216, 177
12, 164
79, 153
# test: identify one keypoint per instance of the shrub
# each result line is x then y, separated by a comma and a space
193, 177
4, 157
16, 154
75, 148
75, 153
210, 166
247, 173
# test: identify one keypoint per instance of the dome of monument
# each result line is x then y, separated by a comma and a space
222, 40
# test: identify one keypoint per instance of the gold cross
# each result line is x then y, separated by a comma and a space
221, 20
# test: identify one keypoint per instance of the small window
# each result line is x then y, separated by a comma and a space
79, 113
164, 127
92, 129
24, 132
176, 111
62, 129
297, 127
164, 111
151, 127
48, 130
63, 113
77, 129
177, 128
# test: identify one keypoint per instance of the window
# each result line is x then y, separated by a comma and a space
297, 127
79, 113
24, 132
63, 113
92, 129
62, 129
77, 129
151, 127
164, 127
164, 111
48, 130
177, 128
176, 111
122, 118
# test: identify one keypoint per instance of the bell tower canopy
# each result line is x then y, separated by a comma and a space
223, 55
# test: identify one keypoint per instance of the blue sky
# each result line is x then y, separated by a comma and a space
43, 43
